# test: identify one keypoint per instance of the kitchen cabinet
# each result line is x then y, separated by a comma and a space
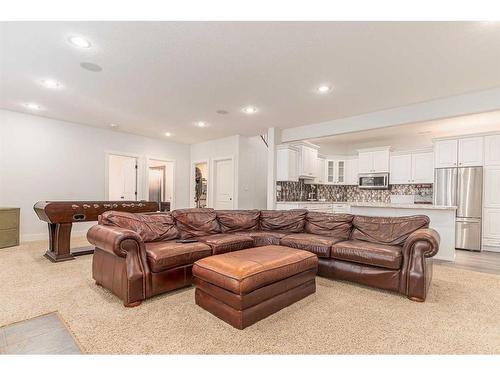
376, 161
491, 227
470, 152
351, 172
287, 159
463, 152
9, 227
336, 172
492, 187
308, 161
414, 168
321, 177
492, 150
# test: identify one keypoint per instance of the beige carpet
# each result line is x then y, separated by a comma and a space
461, 315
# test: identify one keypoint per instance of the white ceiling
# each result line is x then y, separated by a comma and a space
164, 76
409, 136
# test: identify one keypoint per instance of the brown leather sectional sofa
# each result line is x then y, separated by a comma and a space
137, 256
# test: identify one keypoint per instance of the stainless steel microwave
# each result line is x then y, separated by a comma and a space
373, 181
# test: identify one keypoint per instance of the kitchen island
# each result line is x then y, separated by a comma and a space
442, 217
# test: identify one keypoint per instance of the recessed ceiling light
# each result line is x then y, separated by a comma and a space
79, 41
33, 106
250, 110
168, 134
323, 89
51, 83
201, 124
113, 125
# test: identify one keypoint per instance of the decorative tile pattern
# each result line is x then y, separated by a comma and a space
299, 191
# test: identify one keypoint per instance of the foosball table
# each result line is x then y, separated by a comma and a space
60, 217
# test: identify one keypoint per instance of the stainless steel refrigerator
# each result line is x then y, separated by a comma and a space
462, 187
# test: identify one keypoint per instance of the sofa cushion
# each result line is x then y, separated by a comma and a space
170, 254
368, 253
158, 226
291, 221
226, 242
196, 222
333, 225
387, 230
319, 245
244, 271
263, 238
238, 220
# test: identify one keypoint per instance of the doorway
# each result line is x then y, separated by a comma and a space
122, 178
200, 184
223, 183
160, 180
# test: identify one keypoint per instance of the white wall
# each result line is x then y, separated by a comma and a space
44, 159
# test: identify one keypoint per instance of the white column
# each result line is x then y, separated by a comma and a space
272, 141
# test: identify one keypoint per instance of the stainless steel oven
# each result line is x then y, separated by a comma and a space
373, 181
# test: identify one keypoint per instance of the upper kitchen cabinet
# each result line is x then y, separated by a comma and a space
351, 177
308, 161
470, 152
463, 152
336, 172
374, 160
492, 150
321, 177
414, 168
287, 163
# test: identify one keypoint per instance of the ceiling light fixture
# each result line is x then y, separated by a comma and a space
113, 125
324, 89
51, 83
168, 134
250, 110
79, 41
201, 124
33, 106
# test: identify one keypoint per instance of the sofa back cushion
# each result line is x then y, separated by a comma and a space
196, 222
387, 230
332, 225
238, 220
290, 221
157, 226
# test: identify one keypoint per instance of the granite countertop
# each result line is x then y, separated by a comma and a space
422, 206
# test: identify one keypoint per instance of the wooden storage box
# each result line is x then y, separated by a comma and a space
9, 227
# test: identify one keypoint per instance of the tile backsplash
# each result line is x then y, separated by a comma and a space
299, 191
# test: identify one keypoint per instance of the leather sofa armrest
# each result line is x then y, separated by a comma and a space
428, 235
114, 240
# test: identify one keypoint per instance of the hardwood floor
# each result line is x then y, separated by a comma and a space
484, 261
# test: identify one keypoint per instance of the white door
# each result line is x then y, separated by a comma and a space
445, 154
365, 162
423, 168
470, 152
380, 161
223, 184
122, 178
492, 187
400, 169
492, 150
492, 223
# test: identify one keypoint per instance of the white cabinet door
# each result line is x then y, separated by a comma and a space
330, 171
470, 152
492, 150
380, 161
308, 161
321, 171
401, 168
365, 162
351, 172
446, 153
423, 168
340, 172
492, 187
491, 223
287, 168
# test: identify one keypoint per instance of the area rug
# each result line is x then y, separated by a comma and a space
461, 314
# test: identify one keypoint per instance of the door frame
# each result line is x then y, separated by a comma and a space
139, 179
149, 158
191, 181
211, 196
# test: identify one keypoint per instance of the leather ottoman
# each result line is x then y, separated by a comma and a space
243, 287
